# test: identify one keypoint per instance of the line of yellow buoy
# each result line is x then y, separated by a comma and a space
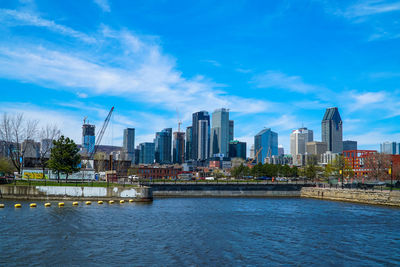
62, 204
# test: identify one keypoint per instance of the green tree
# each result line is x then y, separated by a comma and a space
64, 157
6, 167
340, 164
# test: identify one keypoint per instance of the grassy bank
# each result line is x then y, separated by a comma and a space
70, 183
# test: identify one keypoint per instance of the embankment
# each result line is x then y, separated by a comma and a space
75, 193
375, 197
226, 190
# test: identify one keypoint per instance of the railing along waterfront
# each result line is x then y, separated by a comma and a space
149, 182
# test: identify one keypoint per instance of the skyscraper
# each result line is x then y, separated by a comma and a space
389, 148
237, 149
219, 141
231, 130
200, 143
281, 150
332, 130
299, 139
129, 143
146, 154
266, 141
179, 148
203, 142
349, 145
163, 146
88, 138
188, 153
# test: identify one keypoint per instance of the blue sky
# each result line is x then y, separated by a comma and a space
275, 64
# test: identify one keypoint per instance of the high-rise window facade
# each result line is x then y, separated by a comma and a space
88, 138
179, 148
163, 146
146, 154
265, 144
237, 149
129, 143
188, 152
220, 132
332, 130
200, 137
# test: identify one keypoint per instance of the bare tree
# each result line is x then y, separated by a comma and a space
14, 130
378, 165
47, 135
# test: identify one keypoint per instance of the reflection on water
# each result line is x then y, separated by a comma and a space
210, 231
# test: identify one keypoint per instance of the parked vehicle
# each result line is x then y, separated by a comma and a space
264, 178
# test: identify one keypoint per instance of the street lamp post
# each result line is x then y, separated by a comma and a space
341, 171
391, 175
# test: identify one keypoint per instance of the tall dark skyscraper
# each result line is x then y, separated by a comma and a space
237, 149
231, 130
163, 146
188, 153
332, 130
129, 143
200, 135
178, 152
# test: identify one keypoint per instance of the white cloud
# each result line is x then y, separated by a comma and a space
14, 18
82, 95
276, 79
368, 8
103, 4
124, 65
366, 99
212, 62
378, 14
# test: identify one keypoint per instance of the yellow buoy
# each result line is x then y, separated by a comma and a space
61, 204
1, 206
47, 204
17, 205
111, 202
131, 200
32, 205
99, 202
122, 201
75, 203
88, 203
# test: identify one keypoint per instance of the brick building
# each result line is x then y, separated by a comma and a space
158, 172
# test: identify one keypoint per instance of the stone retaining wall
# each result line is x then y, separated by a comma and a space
376, 197
75, 192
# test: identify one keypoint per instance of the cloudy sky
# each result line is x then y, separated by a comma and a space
276, 64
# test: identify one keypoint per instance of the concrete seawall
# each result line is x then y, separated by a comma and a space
75, 193
375, 197
226, 190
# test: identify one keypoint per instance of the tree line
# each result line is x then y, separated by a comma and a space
57, 152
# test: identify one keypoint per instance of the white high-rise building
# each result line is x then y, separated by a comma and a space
390, 148
298, 142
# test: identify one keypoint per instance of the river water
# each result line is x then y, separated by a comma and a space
201, 231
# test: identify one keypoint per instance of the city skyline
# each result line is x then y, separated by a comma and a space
59, 68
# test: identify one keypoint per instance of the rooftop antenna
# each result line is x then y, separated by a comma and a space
179, 121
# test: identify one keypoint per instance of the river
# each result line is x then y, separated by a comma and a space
201, 231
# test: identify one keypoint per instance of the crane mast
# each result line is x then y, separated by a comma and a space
101, 133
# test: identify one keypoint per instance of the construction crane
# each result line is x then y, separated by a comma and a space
179, 121
250, 164
101, 133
